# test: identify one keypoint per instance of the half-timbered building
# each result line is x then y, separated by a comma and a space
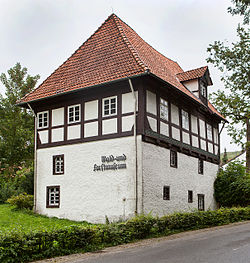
122, 129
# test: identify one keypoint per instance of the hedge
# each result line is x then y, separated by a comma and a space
17, 247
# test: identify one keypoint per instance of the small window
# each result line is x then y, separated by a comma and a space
173, 158
166, 192
74, 113
190, 196
43, 119
201, 202
58, 164
203, 90
185, 120
53, 196
163, 109
200, 166
209, 132
110, 106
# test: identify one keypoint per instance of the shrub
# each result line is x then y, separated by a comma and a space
22, 201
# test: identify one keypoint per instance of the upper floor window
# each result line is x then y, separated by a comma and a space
203, 90
43, 119
74, 113
166, 193
200, 166
109, 106
58, 164
163, 109
209, 132
53, 196
173, 158
185, 119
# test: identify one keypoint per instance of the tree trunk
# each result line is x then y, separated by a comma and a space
248, 146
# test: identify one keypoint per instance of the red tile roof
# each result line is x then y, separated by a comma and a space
113, 52
192, 74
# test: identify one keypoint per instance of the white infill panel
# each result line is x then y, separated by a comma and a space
203, 145
202, 129
127, 123
175, 114
44, 136
58, 117
91, 129
185, 137
74, 132
195, 141
164, 129
91, 110
175, 133
152, 123
128, 102
57, 135
109, 126
151, 102
194, 124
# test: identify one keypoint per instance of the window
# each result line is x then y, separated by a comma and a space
173, 158
53, 196
200, 166
109, 106
58, 164
185, 120
74, 113
166, 192
209, 132
190, 196
201, 203
163, 109
203, 90
43, 119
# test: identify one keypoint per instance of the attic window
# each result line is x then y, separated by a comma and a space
203, 89
164, 109
109, 106
43, 119
185, 120
74, 113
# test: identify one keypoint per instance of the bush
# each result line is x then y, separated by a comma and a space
15, 247
232, 186
22, 201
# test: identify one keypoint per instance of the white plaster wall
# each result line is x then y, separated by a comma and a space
164, 128
176, 133
128, 102
202, 128
57, 135
152, 123
157, 173
109, 126
203, 145
91, 110
185, 137
192, 85
58, 117
86, 194
195, 141
175, 114
194, 124
91, 129
74, 132
151, 102
44, 136
127, 123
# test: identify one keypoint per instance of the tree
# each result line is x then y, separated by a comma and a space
233, 61
241, 7
16, 124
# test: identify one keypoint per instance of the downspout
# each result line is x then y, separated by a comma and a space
35, 158
135, 141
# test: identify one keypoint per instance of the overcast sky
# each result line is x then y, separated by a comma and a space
42, 34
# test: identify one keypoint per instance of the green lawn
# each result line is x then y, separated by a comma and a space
14, 220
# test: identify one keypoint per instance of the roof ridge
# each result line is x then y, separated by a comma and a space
192, 70
129, 45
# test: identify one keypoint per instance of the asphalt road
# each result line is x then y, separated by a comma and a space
229, 244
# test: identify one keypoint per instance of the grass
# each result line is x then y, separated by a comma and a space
26, 221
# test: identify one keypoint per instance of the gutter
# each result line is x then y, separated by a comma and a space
35, 158
136, 150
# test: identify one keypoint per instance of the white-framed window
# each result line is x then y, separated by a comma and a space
185, 119
109, 106
203, 90
163, 109
58, 164
43, 119
53, 196
74, 113
209, 132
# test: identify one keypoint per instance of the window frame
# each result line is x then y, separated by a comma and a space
209, 132
42, 114
109, 106
200, 166
203, 90
190, 196
166, 192
48, 204
201, 202
185, 120
74, 113
54, 164
173, 154
164, 109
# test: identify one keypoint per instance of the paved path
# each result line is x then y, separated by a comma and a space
226, 244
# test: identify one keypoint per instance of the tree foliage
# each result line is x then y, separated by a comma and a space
16, 124
232, 186
241, 7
